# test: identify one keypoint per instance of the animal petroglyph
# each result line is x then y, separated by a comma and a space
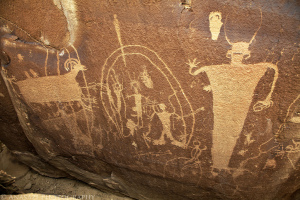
233, 86
291, 152
215, 24
264, 148
58, 89
120, 87
63, 88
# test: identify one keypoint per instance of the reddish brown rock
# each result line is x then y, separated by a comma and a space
156, 99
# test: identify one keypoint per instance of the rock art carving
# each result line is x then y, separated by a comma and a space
293, 151
195, 156
292, 115
215, 24
67, 90
263, 148
121, 87
145, 78
187, 165
138, 102
57, 89
233, 86
165, 119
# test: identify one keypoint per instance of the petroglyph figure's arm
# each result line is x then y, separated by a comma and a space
198, 71
261, 105
193, 65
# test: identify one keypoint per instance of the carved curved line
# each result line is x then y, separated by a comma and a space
165, 66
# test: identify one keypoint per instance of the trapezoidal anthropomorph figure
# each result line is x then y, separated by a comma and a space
233, 86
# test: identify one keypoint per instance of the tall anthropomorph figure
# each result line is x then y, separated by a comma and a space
233, 86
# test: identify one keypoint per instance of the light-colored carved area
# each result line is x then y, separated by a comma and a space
52, 88
156, 98
152, 89
59, 93
233, 86
62, 88
215, 24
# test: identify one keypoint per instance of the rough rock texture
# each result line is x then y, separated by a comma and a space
17, 178
159, 99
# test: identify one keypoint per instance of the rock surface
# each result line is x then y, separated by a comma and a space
18, 179
159, 99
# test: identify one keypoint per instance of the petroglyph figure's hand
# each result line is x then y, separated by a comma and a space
261, 105
192, 65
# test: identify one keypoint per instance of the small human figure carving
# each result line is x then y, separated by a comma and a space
196, 152
165, 118
118, 87
195, 157
138, 102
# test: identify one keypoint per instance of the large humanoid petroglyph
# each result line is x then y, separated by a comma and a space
233, 86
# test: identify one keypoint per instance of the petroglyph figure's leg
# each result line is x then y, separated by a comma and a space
161, 140
131, 126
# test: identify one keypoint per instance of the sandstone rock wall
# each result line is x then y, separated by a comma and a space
155, 98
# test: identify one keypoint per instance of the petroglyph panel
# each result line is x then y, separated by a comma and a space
200, 98
233, 86
156, 93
